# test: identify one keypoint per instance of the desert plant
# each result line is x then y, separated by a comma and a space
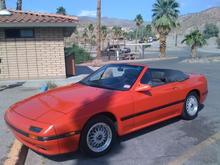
165, 15
194, 39
61, 10
211, 30
80, 54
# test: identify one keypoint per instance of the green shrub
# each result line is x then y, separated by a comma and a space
211, 30
80, 54
218, 42
51, 85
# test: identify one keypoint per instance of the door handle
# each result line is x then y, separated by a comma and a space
175, 88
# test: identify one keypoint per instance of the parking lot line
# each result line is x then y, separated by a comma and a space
195, 150
17, 154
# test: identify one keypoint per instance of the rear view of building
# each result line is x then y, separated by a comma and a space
32, 44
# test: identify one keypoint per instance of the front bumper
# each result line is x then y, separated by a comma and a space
51, 144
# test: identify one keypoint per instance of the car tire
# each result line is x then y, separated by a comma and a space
98, 136
191, 106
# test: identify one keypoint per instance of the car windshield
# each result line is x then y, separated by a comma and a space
114, 76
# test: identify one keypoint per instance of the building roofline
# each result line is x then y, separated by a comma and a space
20, 25
20, 18
46, 14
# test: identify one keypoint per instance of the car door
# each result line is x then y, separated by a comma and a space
159, 103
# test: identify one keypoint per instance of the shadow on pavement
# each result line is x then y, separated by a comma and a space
81, 159
149, 129
2, 88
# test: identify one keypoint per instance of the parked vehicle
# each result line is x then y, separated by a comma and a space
117, 99
125, 50
111, 50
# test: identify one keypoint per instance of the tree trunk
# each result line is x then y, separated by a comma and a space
162, 45
136, 38
176, 39
19, 5
193, 51
98, 29
2, 4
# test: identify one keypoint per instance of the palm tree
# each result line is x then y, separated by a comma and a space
98, 38
61, 10
104, 33
91, 29
2, 4
117, 32
165, 15
19, 5
194, 39
125, 36
85, 36
138, 21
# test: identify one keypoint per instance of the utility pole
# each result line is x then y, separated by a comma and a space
98, 28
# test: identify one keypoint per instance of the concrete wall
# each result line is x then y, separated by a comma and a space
33, 58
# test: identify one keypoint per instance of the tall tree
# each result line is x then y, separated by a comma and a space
165, 15
125, 36
138, 21
117, 33
91, 29
2, 4
104, 33
85, 36
61, 10
194, 39
98, 35
19, 5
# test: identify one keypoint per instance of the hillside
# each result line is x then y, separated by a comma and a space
108, 21
198, 20
188, 22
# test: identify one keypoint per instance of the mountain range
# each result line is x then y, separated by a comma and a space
187, 22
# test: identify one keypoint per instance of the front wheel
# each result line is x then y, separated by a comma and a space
98, 136
191, 106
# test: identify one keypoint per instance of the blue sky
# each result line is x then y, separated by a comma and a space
126, 9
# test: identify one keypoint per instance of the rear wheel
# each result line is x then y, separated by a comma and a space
191, 106
98, 136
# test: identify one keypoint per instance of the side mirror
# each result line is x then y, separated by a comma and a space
143, 88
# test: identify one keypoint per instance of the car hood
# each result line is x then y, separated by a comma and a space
60, 101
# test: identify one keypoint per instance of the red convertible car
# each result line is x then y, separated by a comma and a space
115, 100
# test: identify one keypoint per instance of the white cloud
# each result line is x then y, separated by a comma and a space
89, 13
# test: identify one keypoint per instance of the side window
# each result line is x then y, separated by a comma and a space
158, 77
146, 79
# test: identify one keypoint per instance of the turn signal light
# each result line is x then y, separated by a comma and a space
33, 137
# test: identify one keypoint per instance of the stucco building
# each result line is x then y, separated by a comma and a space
32, 44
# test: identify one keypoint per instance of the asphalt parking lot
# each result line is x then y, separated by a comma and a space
9, 96
173, 142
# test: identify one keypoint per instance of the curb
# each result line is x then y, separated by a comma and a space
17, 154
100, 63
